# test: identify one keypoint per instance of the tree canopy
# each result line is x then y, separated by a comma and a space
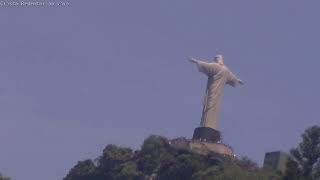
4, 177
304, 163
158, 160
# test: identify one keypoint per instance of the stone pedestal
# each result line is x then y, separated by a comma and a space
205, 140
202, 147
208, 147
206, 134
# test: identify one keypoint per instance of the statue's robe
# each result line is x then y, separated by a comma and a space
218, 76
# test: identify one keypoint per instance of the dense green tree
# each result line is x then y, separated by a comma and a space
316, 169
154, 152
159, 160
4, 177
128, 171
232, 171
182, 167
247, 164
305, 158
84, 170
111, 160
292, 170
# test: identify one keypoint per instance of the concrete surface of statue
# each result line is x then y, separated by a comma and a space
206, 138
218, 76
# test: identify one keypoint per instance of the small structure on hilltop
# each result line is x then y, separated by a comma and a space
275, 161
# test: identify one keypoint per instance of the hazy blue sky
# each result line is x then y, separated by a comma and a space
74, 79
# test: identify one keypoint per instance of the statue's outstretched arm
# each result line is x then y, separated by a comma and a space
234, 80
205, 67
193, 60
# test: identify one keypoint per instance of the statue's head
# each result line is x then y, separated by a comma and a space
219, 59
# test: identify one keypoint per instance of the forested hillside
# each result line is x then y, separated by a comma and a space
158, 160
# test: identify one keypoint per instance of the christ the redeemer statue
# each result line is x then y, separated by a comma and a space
218, 76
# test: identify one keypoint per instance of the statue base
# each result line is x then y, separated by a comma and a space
205, 141
202, 147
206, 134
